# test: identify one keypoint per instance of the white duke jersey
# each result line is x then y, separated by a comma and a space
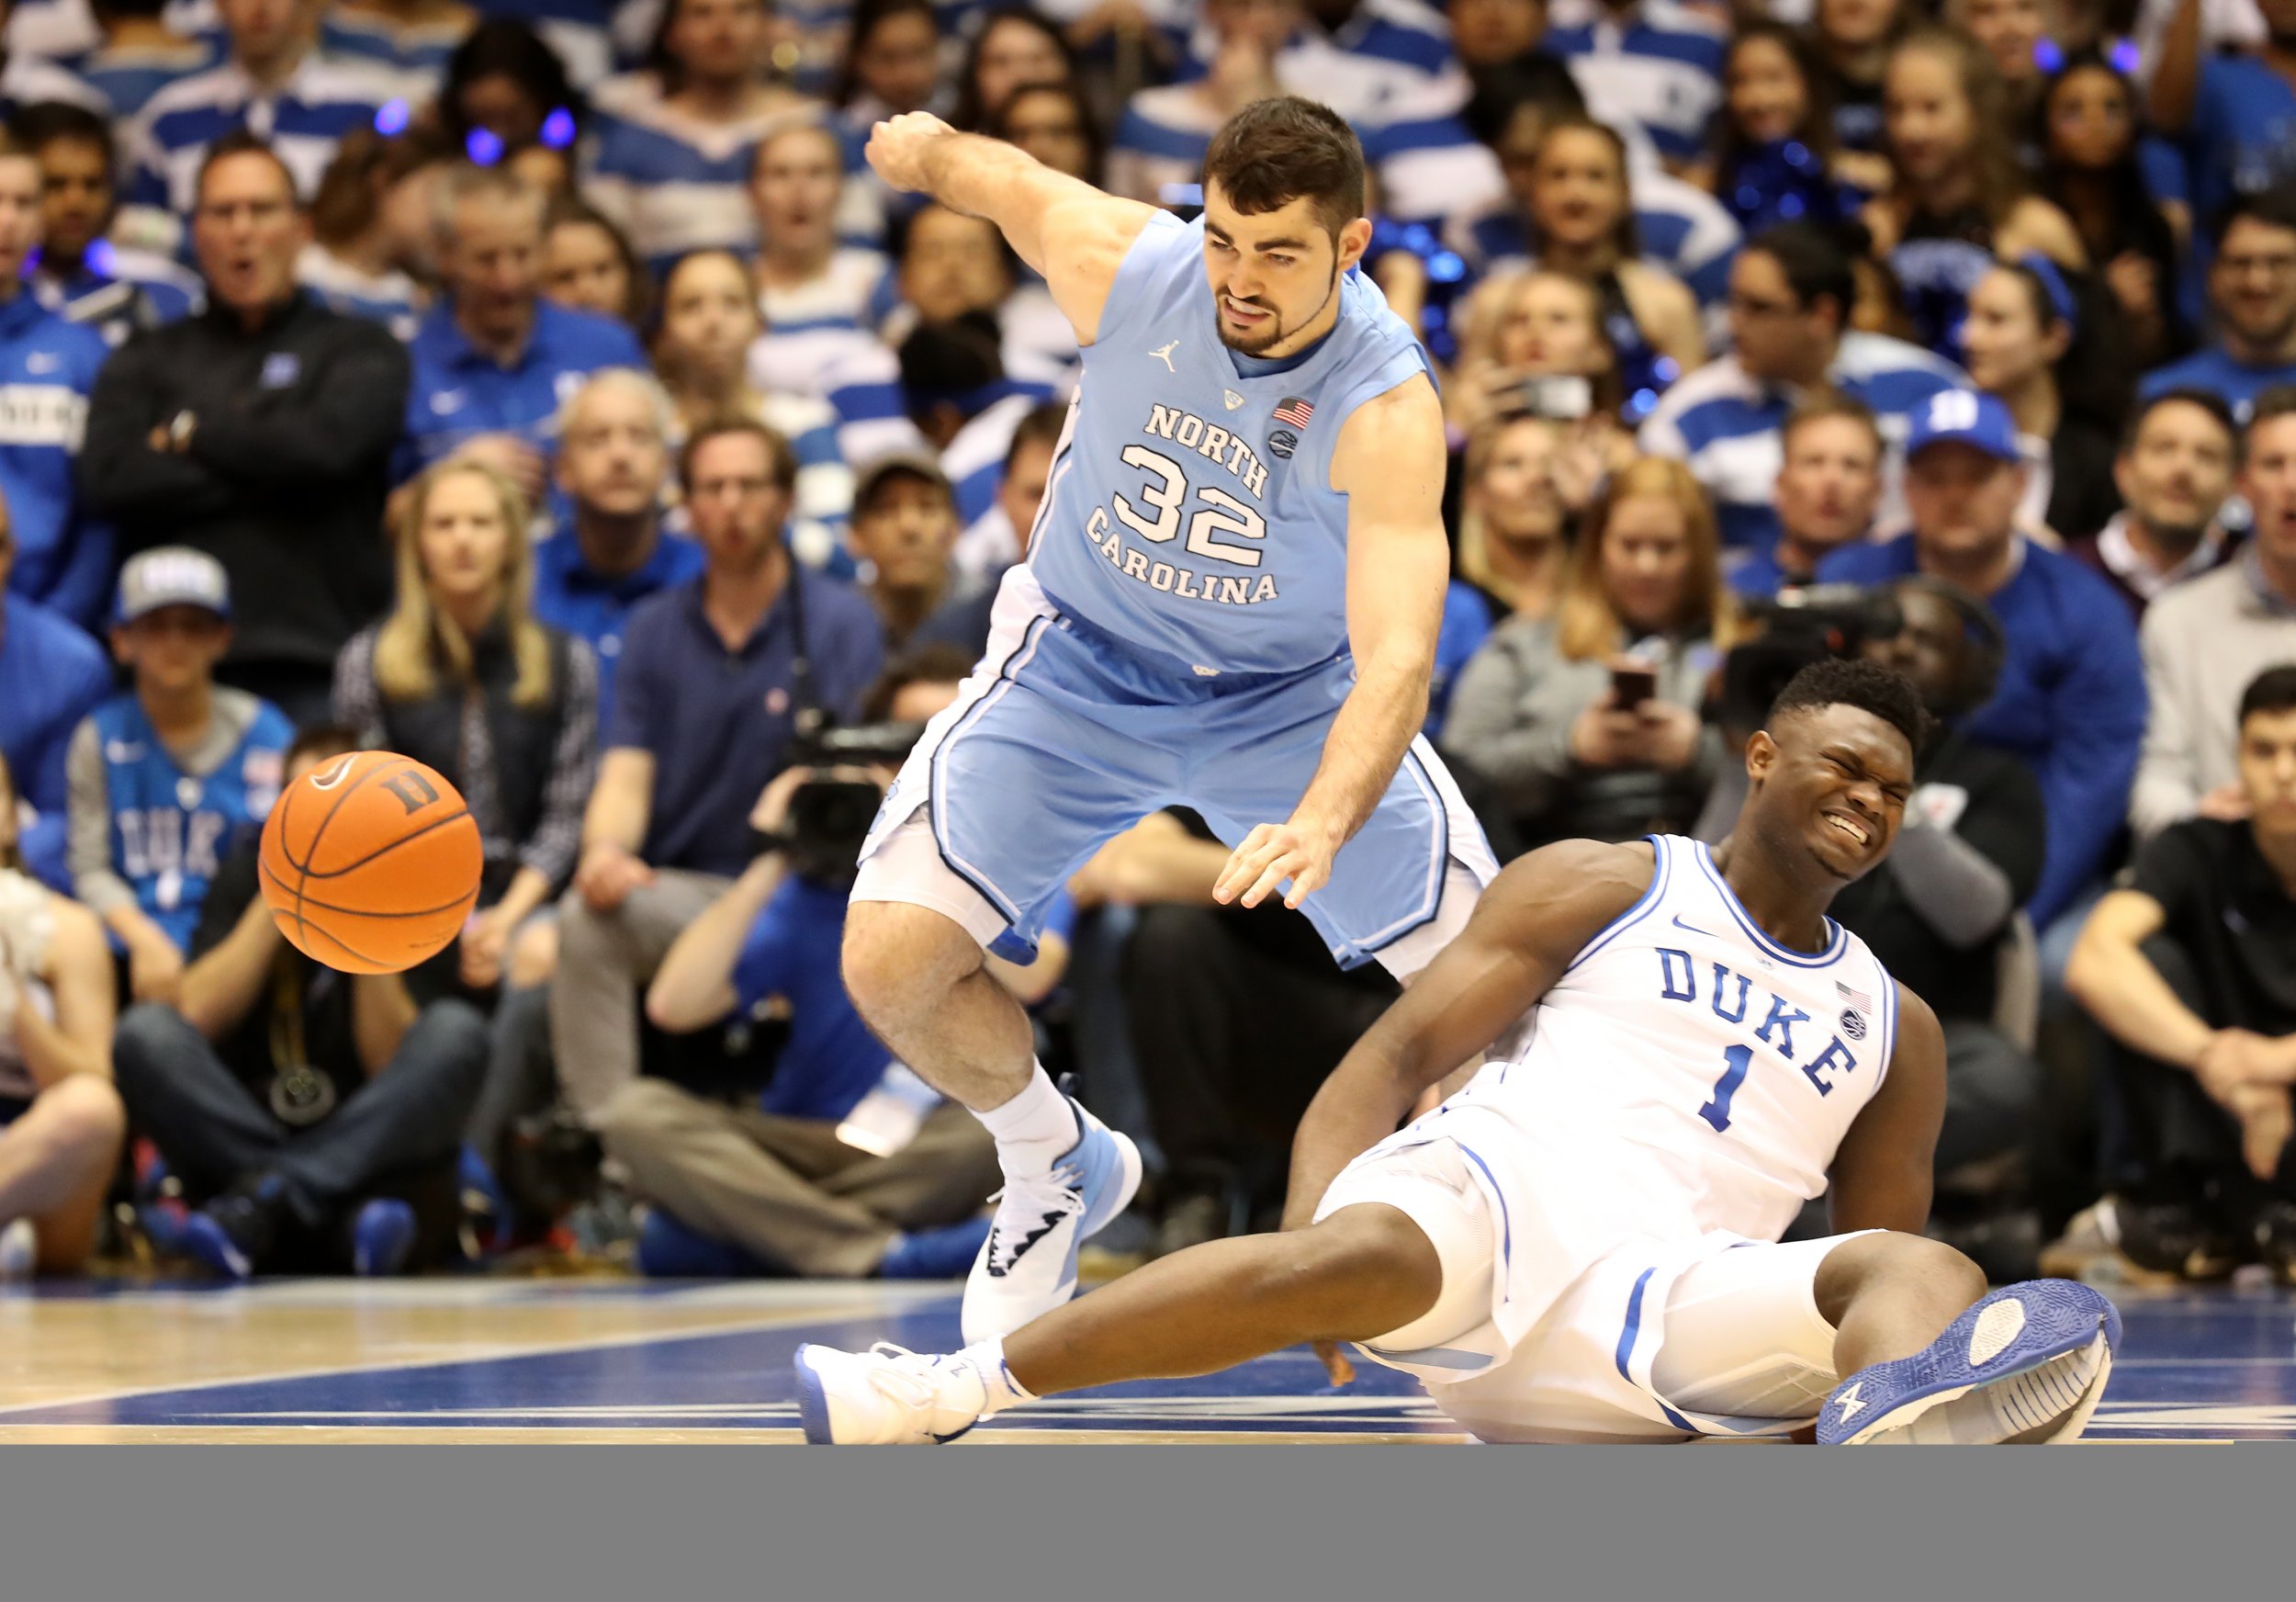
1190, 514
1687, 1074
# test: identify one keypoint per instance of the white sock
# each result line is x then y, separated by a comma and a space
1032, 1130
999, 1389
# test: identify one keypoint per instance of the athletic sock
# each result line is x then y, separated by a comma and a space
999, 1389
1034, 1129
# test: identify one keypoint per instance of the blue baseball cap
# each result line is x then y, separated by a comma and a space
172, 575
1969, 417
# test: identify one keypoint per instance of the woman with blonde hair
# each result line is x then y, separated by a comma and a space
1535, 344
60, 1120
1585, 722
461, 676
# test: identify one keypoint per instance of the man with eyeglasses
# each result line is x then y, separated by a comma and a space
2251, 291
1791, 291
704, 711
259, 431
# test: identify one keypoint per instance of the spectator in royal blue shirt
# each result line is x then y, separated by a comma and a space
2232, 109
47, 370
55, 675
2252, 286
705, 707
2070, 698
493, 361
614, 466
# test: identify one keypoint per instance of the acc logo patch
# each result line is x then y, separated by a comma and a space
1283, 441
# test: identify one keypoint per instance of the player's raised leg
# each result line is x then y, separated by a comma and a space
1931, 1356
1363, 1270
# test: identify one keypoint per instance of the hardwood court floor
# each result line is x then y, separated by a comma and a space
621, 1361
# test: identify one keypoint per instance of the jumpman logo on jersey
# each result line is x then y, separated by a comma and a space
1165, 356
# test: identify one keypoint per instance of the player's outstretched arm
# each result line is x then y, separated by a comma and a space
1882, 1174
1389, 462
1533, 921
1069, 232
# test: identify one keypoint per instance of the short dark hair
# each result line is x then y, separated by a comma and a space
940, 663
2270, 406
1042, 424
776, 444
957, 362
1823, 404
1814, 264
2274, 207
2273, 690
241, 142
2208, 401
1885, 693
1278, 150
34, 127
321, 742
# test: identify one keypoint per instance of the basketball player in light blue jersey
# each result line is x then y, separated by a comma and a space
1229, 602
1583, 1243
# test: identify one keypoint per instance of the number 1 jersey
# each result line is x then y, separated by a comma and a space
1687, 1072
1189, 513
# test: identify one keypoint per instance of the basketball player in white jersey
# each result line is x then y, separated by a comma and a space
1581, 1243
1229, 602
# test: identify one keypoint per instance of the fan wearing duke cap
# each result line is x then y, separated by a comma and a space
1229, 602
2071, 696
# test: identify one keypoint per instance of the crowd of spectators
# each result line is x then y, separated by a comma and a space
551, 392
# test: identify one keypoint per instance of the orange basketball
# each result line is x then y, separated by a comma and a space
370, 862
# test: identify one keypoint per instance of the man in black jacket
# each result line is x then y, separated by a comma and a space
260, 432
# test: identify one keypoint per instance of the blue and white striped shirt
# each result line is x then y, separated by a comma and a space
676, 185
1657, 64
127, 77
120, 292
855, 373
305, 119
1390, 70
1725, 425
28, 81
416, 51
1682, 229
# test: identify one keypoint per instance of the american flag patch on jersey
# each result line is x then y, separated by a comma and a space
1854, 998
1295, 412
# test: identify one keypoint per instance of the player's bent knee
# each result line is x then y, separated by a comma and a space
1891, 1259
900, 960
1373, 1264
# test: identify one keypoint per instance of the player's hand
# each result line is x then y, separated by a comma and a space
1272, 853
607, 875
1335, 1362
898, 146
486, 939
155, 970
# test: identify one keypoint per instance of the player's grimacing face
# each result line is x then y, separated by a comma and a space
1837, 777
1275, 274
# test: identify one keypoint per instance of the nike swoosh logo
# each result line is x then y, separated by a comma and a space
1692, 927
1051, 1222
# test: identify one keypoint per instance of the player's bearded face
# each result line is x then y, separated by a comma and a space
1259, 309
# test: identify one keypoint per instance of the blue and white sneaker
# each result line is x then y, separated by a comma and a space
2026, 1366
887, 1396
1027, 1267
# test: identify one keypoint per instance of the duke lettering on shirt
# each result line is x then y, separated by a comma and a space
1733, 1003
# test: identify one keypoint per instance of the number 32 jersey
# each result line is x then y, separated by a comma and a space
1687, 1074
1189, 513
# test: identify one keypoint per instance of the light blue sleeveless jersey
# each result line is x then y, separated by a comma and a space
1190, 514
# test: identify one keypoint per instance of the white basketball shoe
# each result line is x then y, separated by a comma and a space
1027, 1267
887, 1396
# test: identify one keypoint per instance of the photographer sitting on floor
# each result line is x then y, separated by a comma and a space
848, 1164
